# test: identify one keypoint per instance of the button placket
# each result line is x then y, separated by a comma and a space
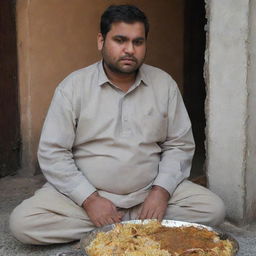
125, 130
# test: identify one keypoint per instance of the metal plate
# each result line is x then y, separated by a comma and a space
89, 236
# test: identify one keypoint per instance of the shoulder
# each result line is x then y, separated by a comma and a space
79, 76
77, 82
158, 78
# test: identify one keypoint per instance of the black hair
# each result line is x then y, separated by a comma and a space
122, 13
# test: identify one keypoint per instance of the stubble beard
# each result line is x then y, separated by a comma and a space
116, 67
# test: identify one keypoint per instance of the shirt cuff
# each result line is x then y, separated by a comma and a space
169, 177
81, 192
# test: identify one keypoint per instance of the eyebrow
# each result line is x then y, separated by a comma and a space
126, 38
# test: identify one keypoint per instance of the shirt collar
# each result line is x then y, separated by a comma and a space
103, 79
141, 77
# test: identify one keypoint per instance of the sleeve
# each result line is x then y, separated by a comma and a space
55, 150
178, 148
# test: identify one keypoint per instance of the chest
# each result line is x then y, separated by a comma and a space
110, 113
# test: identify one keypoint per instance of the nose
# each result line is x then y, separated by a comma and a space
129, 48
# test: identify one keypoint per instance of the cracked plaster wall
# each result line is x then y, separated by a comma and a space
230, 105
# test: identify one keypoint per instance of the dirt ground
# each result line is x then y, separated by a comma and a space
13, 190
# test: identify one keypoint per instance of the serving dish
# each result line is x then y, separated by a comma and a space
90, 236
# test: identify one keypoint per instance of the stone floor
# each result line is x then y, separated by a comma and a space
14, 189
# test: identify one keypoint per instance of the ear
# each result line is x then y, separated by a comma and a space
100, 41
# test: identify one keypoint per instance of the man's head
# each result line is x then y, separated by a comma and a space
122, 40
122, 13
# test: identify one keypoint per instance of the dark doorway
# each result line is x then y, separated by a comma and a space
9, 113
194, 85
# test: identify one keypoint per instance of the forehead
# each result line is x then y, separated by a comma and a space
130, 30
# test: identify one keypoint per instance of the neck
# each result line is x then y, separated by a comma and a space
121, 80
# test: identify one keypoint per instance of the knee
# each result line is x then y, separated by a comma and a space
18, 225
217, 211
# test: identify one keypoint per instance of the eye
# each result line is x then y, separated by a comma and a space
119, 40
138, 42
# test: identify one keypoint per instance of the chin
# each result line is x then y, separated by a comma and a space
129, 72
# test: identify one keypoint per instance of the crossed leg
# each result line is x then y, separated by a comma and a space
50, 217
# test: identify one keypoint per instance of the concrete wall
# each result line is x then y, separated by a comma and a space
56, 37
230, 106
250, 176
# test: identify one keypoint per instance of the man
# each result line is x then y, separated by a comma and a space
116, 145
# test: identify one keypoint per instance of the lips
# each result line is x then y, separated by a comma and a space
128, 59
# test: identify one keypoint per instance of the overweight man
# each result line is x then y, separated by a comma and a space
116, 145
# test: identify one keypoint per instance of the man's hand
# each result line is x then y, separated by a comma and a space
101, 211
155, 204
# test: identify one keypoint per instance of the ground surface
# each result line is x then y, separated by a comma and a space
15, 189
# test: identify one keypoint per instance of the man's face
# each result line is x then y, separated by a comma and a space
124, 47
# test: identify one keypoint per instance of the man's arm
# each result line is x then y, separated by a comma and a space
176, 158
57, 163
178, 148
55, 150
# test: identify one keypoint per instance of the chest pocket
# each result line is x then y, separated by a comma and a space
154, 127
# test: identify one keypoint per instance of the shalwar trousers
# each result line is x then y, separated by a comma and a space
50, 217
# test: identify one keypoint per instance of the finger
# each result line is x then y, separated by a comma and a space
160, 216
115, 218
110, 221
115, 215
103, 222
156, 215
97, 224
143, 214
151, 214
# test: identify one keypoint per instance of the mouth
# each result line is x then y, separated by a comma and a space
128, 60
